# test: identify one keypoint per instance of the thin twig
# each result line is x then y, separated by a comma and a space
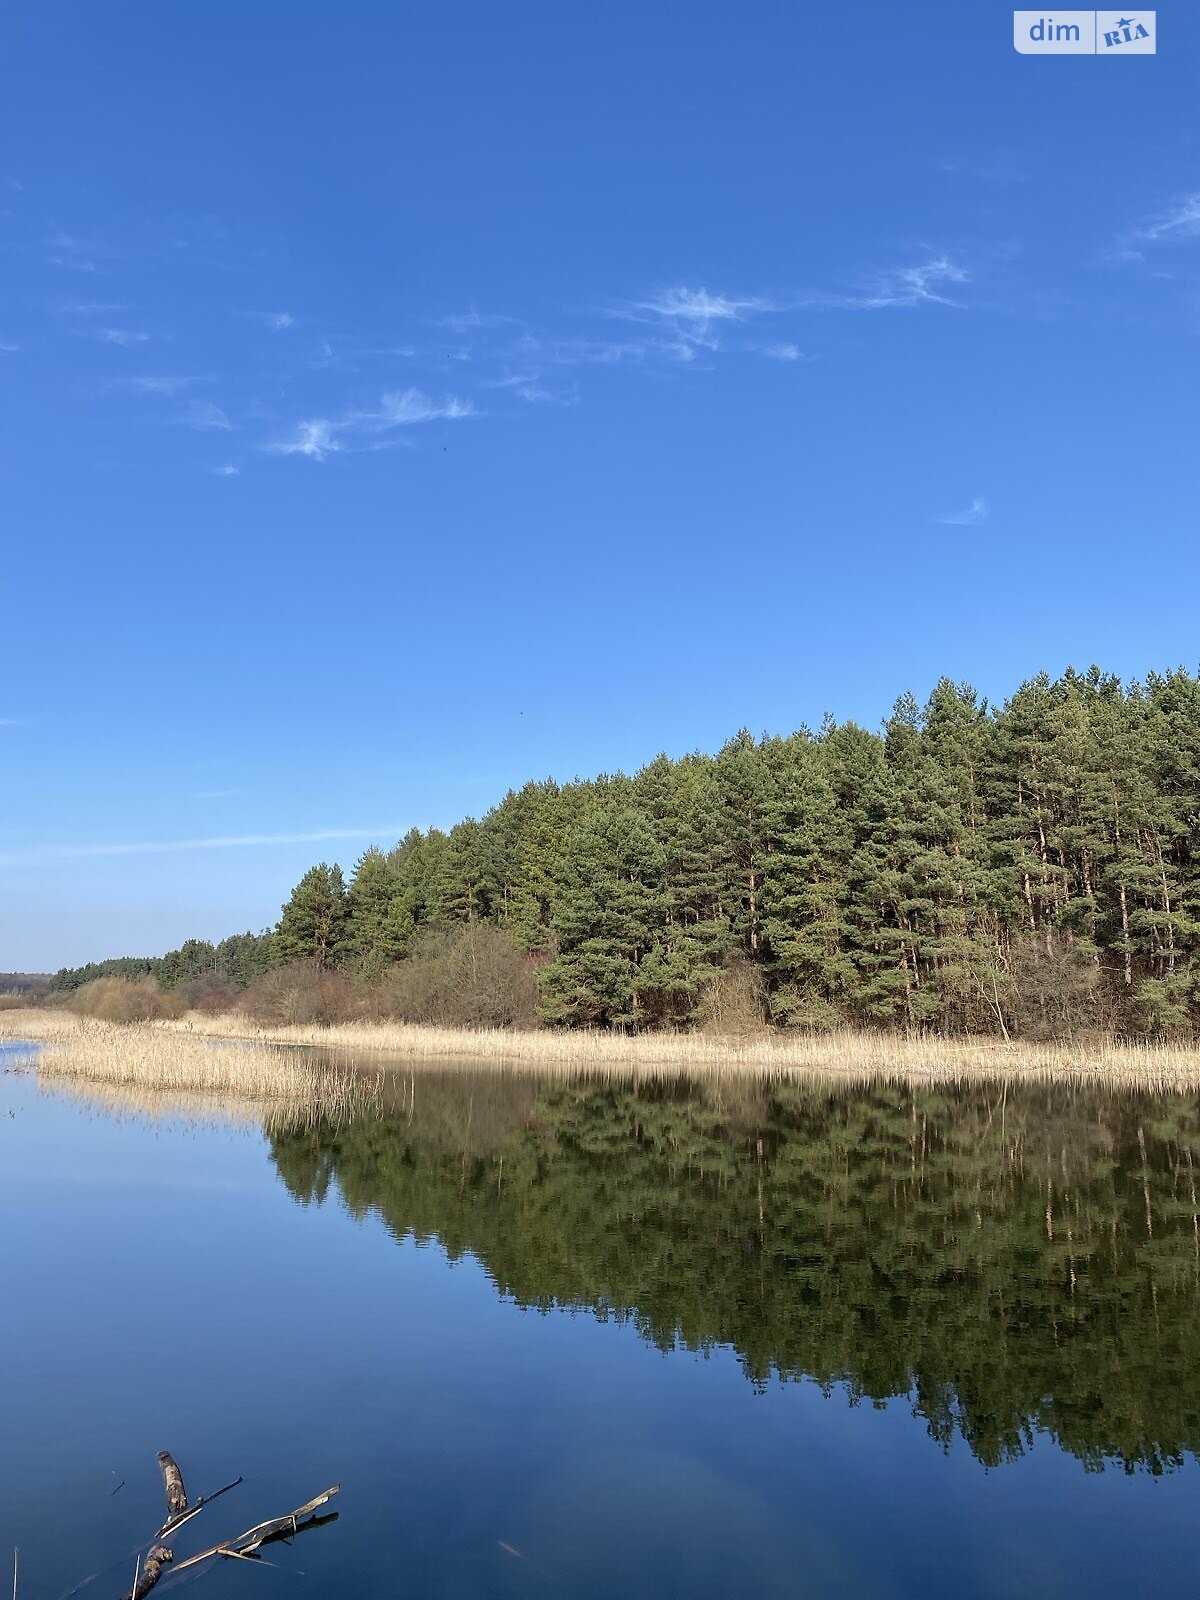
177, 1521
253, 1537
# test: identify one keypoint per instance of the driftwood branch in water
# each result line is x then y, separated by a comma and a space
263, 1531
284, 1536
287, 1534
173, 1484
150, 1573
177, 1521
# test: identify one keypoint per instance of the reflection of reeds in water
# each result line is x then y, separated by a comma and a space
128, 1102
197, 1109
144, 1069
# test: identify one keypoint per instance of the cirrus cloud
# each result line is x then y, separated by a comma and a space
320, 437
977, 512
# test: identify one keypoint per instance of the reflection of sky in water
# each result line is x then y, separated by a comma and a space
162, 1289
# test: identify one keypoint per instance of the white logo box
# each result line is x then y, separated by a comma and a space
1085, 33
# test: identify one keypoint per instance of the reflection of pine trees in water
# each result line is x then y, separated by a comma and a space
1020, 1260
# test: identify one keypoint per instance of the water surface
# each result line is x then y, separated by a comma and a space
567, 1338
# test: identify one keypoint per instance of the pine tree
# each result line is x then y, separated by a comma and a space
743, 787
805, 888
243, 957
608, 917
679, 801
960, 889
458, 887
377, 930
539, 856
1172, 735
879, 944
313, 924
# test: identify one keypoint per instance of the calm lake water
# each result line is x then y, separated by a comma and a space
553, 1338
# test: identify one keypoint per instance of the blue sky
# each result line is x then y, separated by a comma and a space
404, 401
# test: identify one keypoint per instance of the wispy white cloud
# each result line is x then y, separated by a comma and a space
8, 347
594, 352
152, 383
684, 322
150, 847
204, 415
277, 321
86, 308
782, 352
329, 358
528, 386
532, 366
227, 470
66, 250
404, 407
921, 284
315, 437
688, 321
12, 722
472, 321
1176, 222
319, 437
698, 306
1182, 221
121, 336
404, 351
974, 514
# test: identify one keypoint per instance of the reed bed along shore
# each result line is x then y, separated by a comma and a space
867, 1056
234, 1056
275, 1079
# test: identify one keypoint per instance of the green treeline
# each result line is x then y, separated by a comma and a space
238, 961
1018, 1260
1032, 869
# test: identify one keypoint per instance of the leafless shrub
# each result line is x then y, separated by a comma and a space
212, 994
1056, 989
126, 1000
300, 994
734, 1001
473, 977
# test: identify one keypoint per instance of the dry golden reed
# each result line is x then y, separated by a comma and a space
154, 1059
230, 1055
924, 1058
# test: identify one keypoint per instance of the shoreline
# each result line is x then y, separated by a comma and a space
149, 1051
